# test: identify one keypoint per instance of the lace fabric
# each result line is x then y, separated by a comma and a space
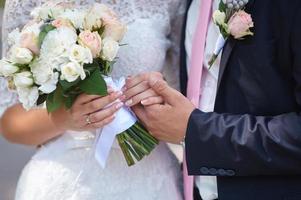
152, 45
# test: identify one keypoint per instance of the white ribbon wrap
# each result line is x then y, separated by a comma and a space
124, 119
219, 45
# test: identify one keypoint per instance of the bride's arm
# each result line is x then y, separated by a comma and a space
36, 127
30, 128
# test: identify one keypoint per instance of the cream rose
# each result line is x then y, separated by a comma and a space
7, 69
23, 79
80, 54
219, 17
114, 29
72, 71
240, 24
21, 55
109, 49
91, 40
96, 15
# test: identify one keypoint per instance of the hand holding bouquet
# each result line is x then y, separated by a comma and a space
64, 52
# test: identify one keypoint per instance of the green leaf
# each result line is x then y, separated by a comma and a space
55, 100
92, 67
67, 85
222, 7
45, 29
94, 84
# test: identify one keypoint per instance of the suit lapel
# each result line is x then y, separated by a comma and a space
229, 48
225, 58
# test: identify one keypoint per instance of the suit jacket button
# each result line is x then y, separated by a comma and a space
212, 171
230, 173
221, 172
204, 170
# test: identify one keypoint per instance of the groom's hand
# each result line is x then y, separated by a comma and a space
137, 90
168, 121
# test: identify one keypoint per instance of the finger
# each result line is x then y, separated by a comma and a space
105, 113
84, 98
100, 103
170, 95
141, 87
135, 80
138, 98
140, 113
152, 100
102, 123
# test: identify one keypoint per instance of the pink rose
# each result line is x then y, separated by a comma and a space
239, 24
30, 41
91, 40
114, 29
58, 23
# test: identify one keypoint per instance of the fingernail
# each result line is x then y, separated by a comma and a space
129, 102
143, 102
119, 105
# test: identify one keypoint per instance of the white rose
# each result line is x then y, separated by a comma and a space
219, 17
76, 17
47, 12
7, 68
23, 79
21, 55
44, 75
109, 49
72, 71
80, 54
28, 97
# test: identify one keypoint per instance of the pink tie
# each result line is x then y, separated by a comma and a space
195, 75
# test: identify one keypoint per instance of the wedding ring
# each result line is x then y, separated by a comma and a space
88, 120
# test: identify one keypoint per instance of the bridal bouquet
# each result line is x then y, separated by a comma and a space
65, 51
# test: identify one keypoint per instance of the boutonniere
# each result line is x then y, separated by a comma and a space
233, 21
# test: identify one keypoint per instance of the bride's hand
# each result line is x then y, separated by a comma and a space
88, 112
137, 90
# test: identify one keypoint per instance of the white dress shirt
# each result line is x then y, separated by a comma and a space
207, 185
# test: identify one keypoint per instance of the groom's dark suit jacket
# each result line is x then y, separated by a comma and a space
252, 141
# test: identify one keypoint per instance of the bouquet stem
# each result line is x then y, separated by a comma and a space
136, 143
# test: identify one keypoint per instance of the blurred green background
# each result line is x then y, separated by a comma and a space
2, 3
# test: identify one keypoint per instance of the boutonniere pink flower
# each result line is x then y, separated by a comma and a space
233, 21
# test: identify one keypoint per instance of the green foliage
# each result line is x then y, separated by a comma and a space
55, 100
2, 2
94, 85
44, 32
222, 7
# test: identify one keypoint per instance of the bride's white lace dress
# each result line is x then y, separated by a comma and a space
53, 170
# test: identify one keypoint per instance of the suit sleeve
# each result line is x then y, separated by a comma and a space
247, 145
